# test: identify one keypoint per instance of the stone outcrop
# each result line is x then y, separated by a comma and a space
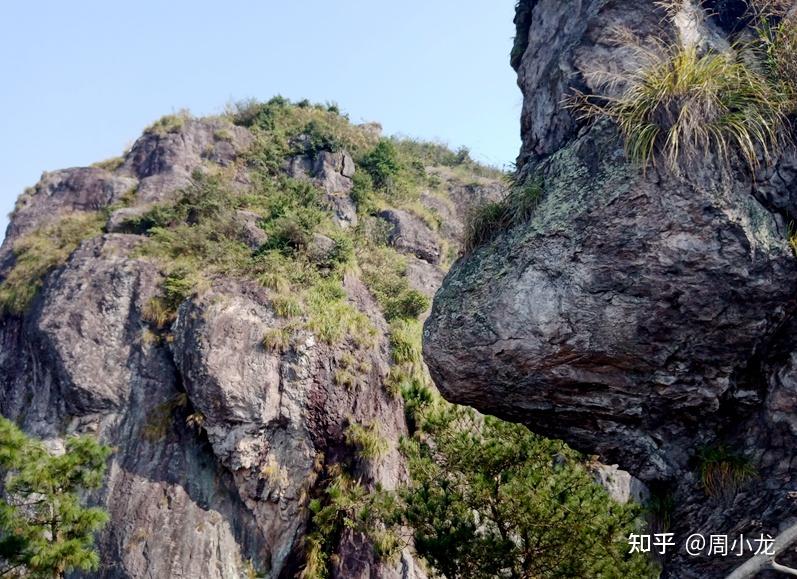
332, 172
639, 316
164, 159
219, 442
410, 235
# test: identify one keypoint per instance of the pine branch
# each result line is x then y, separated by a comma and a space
763, 562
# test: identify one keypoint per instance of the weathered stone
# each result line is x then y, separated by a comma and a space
251, 233
164, 161
409, 234
424, 276
82, 323
322, 249
65, 191
620, 485
639, 317
333, 173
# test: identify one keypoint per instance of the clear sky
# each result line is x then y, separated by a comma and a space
83, 78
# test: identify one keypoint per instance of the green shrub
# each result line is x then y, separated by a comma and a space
178, 287
362, 192
318, 137
382, 163
485, 495
407, 305
685, 106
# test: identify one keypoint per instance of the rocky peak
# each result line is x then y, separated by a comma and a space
193, 304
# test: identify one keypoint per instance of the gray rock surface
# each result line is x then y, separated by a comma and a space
68, 190
621, 486
332, 172
251, 233
164, 161
639, 317
218, 442
408, 234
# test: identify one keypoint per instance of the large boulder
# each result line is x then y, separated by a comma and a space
642, 317
605, 319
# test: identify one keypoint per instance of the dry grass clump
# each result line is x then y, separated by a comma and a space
486, 221
723, 473
685, 107
39, 252
778, 49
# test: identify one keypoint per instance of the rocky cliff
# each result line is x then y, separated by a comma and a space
643, 316
211, 327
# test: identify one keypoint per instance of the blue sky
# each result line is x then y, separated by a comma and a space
83, 78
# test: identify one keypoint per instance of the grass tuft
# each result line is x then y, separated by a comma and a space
685, 108
484, 223
368, 440
723, 473
39, 252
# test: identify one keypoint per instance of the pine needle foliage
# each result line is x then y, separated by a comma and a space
45, 529
489, 499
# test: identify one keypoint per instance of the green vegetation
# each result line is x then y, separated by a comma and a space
39, 252
384, 272
45, 530
490, 499
368, 441
488, 220
777, 43
169, 123
685, 106
382, 164
723, 473
347, 505
484, 498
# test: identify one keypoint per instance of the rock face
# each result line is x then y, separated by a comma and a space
410, 235
219, 442
332, 172
639, 317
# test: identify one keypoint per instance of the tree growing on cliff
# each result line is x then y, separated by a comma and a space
489, 498
45, 530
